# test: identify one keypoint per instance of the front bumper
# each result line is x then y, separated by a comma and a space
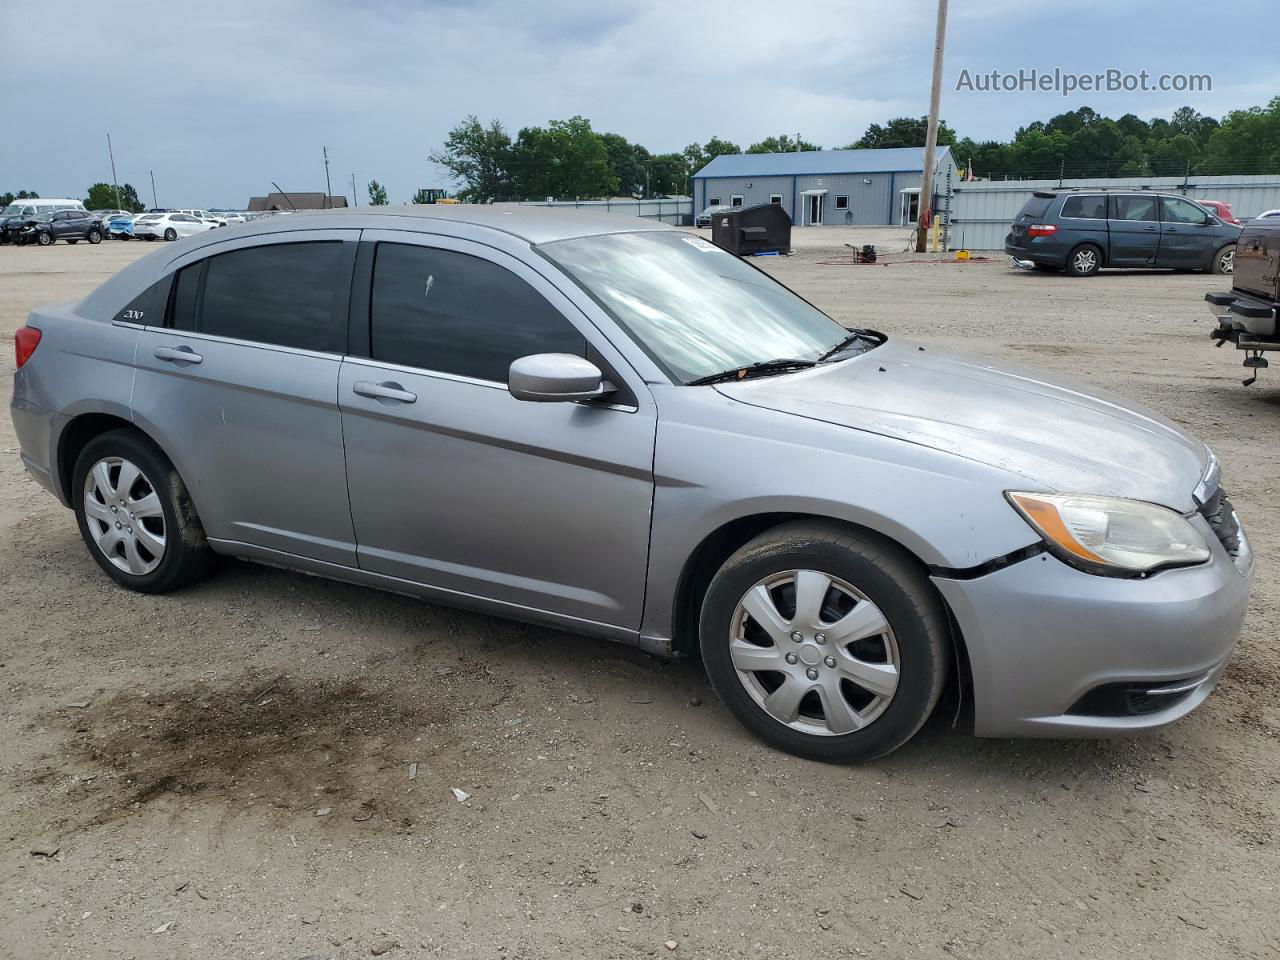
1041, 635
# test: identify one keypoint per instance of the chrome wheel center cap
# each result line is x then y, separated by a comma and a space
810, 655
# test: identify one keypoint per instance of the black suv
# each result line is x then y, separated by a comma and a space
69, 225
1081, 231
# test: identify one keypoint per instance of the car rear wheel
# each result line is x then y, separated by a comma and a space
94, 236
1224, 260
136, 516
171, 234
44, 239
824, 643
1084, 261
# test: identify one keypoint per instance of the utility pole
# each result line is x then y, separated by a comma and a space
931, 138
154, 201
797, 141
114, 183
355, 201
328, 188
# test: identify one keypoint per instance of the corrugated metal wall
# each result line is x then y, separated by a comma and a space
675, 210
982, 211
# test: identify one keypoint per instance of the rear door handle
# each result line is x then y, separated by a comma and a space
384, 391
182, 354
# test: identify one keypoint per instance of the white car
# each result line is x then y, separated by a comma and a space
213, 218
170, 226
229, 217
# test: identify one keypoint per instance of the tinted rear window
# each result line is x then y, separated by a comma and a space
1034, 208
285, 294
1085, 208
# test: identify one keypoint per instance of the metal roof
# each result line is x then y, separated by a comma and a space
811, 162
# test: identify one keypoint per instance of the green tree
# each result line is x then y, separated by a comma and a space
565, 159
698, 156
781, 144
377, 194
669, 175
103, 196
902, 132
1248, 141
8, 198
480, 158
630, 163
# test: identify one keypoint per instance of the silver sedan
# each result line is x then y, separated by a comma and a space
619, 429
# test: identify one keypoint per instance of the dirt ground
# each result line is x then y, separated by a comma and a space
229, 772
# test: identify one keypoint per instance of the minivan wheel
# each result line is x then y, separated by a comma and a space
1224, 260
824, 643
171, 234
136, 516
1084, 261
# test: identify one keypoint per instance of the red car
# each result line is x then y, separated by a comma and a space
1220, 210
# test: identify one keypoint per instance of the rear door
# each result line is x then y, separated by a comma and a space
1186, 240
1133, 221
239, 385
456, 484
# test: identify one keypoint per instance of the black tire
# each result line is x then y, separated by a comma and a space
94, 236
1084, 261
187, 556
888, 578
1224, 260
73, 240
171, 234
148, 237
44, 239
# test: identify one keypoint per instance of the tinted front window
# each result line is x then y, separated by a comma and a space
694, 308
285, 294
1173, 210
1133, 208
447, 311
1085, 208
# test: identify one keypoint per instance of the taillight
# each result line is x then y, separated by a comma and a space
1041, 230
25, 341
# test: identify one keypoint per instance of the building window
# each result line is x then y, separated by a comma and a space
775, 198
735, 200
842, 202
713, 202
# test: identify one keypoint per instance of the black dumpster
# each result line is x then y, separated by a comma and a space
764, 228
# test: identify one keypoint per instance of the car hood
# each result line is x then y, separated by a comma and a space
1055, 435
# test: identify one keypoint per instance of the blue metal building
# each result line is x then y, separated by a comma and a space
825, 186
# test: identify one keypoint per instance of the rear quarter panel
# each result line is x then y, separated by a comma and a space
80, 366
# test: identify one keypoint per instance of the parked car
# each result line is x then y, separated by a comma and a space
1267, 214
20, 211
69, 225
120, 227
1247, 312
619, 429
170, 226
105, 215
230, 217
205, 215
1220, 210
1083, 231
704, 218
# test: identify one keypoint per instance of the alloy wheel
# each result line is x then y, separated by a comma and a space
124, 515
1228, 261
814, 652
1085, 261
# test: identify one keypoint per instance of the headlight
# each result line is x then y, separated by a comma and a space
1111, 536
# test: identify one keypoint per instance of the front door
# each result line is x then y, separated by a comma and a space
1186, 240
240, 385
815, 209
1133, 223
456, 484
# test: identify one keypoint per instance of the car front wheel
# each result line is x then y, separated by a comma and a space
44, 239
94, 236
136, 516
1224, 260
825, 643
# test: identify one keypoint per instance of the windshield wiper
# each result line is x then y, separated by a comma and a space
780, 365
869, 335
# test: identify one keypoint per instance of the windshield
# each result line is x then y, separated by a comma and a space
694, 308
12, 210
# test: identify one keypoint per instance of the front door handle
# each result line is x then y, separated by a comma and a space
182, 354
384, 391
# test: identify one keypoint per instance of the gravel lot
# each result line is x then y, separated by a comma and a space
179, 751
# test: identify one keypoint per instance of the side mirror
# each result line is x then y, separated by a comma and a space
556, 377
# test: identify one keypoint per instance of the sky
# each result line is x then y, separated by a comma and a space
219, 99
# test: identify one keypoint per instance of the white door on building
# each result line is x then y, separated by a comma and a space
811, 207
909, 206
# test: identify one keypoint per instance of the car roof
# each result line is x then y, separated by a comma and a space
534, 224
